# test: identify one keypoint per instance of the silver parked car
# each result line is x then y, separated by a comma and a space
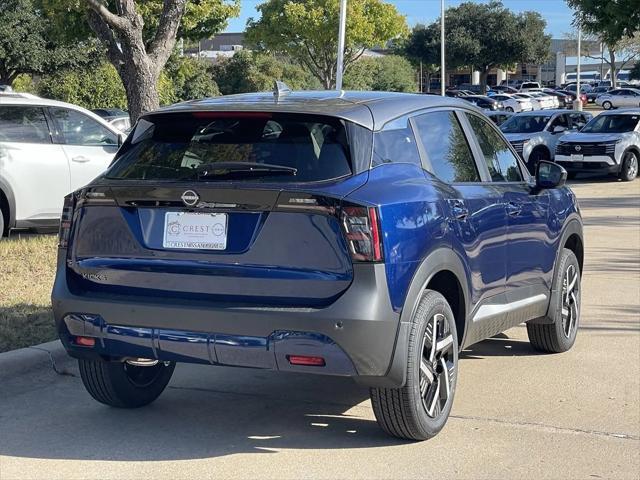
534, 134
610, 143
620, 97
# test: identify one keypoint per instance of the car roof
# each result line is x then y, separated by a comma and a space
622, 111
15, 98
369, 109
549, 112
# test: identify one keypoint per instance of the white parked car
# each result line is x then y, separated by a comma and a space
609, 144
547, 102
512, 103
526, 86
47, 149
535, 102
534, 134
620, 97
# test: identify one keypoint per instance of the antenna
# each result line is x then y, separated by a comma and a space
280, 89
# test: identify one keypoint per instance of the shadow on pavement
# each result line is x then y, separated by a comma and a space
498, 346
205, 412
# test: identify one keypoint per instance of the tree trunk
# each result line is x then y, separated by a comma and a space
612, 68
484, 73
142, 91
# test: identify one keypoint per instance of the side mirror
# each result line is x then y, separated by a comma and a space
550, 175
558, 129
121, 138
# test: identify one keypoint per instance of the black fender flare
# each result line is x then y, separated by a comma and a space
11, 199
438, 260
571, 227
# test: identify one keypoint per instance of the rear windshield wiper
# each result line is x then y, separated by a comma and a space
239, 169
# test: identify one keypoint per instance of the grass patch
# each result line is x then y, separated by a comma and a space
27, 270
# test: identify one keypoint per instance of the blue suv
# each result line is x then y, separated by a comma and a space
363, 234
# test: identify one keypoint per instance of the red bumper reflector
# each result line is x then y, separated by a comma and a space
85, 341
304, 360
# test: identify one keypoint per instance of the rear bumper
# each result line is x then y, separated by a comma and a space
356, 335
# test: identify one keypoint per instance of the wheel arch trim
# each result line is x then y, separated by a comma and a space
6, 189
441, 259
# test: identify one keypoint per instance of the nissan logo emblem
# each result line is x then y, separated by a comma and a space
190, 198
578, 148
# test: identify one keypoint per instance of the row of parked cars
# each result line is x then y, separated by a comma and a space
607, 144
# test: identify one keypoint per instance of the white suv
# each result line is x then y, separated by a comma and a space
47, 149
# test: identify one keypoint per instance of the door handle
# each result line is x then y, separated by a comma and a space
458, 210
80, 159
514, 209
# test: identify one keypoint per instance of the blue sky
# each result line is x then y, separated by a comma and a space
555, 12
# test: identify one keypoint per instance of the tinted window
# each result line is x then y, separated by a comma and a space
23, 124
79, 129
612, 124
182, 146
446, 147
578, 120
395, 143
525, 124
502, 164
559, 121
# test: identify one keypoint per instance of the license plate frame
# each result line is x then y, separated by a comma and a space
195, 231
577, 157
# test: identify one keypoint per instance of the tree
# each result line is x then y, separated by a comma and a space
487, 36
609, 20
139, 36
390, 73
191, 78
307, 31
254, 71
422, 47
618, 55
635, 71
25, 45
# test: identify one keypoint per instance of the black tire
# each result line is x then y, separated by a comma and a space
509, 109
122, 385
538, 154
560, 335
418, 411
607, 105
572, 175
629, 167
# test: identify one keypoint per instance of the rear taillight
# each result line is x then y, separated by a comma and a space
362, 231
66, 220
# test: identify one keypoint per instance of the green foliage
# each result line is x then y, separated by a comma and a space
482, 37
202, 18
253, 71
306, 31
390, 73
26, 45
609, 20
24, 83
90, 88
191, 78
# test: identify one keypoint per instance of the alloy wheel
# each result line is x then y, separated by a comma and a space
632, 165
437, 365
570, 300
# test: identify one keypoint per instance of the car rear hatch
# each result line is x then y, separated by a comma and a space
239, 208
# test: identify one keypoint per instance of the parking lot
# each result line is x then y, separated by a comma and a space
516, 413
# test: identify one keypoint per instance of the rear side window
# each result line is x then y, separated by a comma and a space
395, 143
182, 146
24, 125
446, 147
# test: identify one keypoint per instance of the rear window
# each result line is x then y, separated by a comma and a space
182, 146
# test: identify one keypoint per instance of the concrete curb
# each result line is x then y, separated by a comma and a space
46, 355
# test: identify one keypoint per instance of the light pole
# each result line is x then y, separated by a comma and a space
577, 104
442, 64
341, 35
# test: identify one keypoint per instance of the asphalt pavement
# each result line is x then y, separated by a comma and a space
517, 414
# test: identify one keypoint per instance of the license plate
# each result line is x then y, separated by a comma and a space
196, 231
576, 157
